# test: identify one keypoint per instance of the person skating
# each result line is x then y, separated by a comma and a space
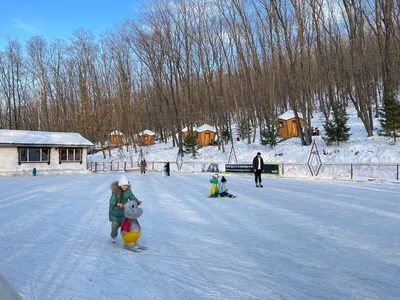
143, 165
120, 194
258, 166
223, 189
164, 170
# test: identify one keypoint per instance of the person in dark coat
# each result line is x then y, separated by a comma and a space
258, 166
143, 165
167, 168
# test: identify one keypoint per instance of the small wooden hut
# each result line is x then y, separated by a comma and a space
147, 138
206, 135
287, 125
116, 137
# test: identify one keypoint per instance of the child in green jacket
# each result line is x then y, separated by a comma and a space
121, 193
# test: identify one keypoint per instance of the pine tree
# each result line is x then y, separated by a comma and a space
225, 133
269, 136
336, 130
190, 143
390, 114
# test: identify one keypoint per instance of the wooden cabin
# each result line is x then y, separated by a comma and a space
287, 125
116, 138
205, 135
147, 138
186, 131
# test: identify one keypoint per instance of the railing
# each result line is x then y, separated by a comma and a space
158, 166
345, 171
371, 171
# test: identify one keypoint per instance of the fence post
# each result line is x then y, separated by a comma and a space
125, 166
118, 166
397, 171
351, 171
282, 170
95, 166
104, 165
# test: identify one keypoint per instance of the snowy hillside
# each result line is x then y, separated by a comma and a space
359, 149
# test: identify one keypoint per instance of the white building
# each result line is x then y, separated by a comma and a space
49, 152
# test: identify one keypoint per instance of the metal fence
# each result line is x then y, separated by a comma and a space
362, 171
344, 171
154, 166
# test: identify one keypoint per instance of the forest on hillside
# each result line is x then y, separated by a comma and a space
187, 62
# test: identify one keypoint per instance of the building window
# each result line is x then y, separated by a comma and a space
70, 155
281, 125
28, 155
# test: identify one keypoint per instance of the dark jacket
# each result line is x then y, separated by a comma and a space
255, 163
143, 165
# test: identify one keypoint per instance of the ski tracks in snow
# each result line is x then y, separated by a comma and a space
289, 240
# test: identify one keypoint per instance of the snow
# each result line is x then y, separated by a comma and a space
289, 115
116, 132
369, 157
206, 127
293, 239
148, 132
186, 129
26, 137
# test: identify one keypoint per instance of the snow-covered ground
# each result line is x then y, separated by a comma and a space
360, 158
290, 240
359, 149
